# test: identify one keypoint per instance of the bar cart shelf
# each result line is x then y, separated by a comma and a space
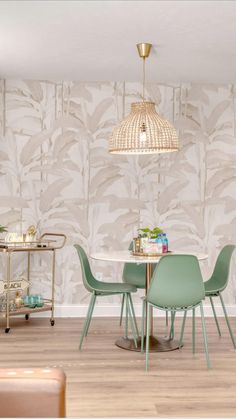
43, 244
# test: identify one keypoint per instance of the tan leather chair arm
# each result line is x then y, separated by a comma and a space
26, 392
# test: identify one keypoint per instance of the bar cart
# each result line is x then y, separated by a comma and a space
45, 243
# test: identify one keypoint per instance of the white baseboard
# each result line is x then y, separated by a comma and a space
114, 311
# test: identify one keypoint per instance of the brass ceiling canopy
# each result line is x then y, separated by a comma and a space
144, 49
143, 131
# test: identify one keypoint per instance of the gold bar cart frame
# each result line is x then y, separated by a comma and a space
37, 246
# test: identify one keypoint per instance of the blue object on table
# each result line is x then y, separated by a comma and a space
164, 243
159, 243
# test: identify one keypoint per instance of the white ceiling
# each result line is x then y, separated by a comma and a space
95, 40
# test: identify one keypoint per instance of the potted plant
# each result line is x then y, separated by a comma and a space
3, 229
150, 234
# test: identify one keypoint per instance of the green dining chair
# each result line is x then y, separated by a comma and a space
176, 286
218, 282
134, 274
100, 289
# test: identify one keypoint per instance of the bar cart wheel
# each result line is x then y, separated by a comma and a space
27, 317
7, 329
52, 322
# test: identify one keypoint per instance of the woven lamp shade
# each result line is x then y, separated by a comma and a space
143, 132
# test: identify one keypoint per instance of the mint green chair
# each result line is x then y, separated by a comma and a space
134, 274
218, 282
177, 285
100, 289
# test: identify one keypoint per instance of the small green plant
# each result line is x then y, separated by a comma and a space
3, 229
152, 234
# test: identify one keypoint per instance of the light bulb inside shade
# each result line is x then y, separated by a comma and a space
143, 135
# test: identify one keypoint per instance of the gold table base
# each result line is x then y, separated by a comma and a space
155, 344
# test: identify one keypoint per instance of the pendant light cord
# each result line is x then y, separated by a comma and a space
143, 79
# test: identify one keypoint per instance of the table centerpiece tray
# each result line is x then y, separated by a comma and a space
143, 254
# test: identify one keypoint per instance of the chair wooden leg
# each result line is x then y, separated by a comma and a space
86, 320
143, 325
214, 312
133, 314
132, 322
182, 330
167, 318
122, 308
227, 321
147, 334
193, 332
90, 316
205, 336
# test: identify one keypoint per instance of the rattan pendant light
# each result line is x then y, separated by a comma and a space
143, 131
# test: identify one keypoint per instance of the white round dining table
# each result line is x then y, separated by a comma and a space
157, 344
127, 257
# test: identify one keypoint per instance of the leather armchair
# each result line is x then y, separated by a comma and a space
32, 392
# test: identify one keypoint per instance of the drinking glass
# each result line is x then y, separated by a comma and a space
39, 300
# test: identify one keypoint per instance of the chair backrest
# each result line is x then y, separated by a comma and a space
89, 281
134, 274
177, 282
220, 274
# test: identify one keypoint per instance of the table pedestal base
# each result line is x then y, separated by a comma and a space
155, 344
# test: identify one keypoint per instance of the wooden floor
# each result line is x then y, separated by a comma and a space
103, 380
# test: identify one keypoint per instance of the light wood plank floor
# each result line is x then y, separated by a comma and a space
103, 380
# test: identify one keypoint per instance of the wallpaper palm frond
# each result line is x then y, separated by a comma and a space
57, 174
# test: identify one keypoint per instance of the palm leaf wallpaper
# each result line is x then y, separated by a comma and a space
57, 174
